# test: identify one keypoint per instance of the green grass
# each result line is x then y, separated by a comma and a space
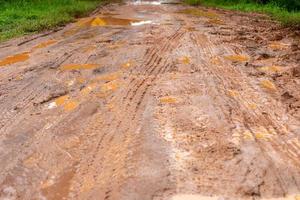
277, 11
20, 17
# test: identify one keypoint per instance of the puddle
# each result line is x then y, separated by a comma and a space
268, 85
111, 21
233, 93
61, 100
65, 102
14, 59
271, 69
141, 23
237, 58
199, 13
216, 21
278, 46
247, 135
146, 3
168, 99
60, 188
44, 44
78, 66
185, 60
215, 60
70, 105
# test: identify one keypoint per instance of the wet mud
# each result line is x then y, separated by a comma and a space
152, 100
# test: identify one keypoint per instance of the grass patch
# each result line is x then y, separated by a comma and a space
20, 17
277, 11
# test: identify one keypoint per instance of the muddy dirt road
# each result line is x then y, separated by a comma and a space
152, 101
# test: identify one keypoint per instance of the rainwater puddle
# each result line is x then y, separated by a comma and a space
146, 3
237, 58
112, 21
268, 85
272, 68
168, 100
14, 59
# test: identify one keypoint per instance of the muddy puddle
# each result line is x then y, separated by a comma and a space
14, 59
112, 21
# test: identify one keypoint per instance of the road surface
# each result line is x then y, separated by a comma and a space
152, 100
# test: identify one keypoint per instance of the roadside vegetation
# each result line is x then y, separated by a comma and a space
19, 17
285, 11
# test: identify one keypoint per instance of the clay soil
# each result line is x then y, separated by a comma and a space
149, 100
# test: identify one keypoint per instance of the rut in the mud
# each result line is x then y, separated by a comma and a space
147, 100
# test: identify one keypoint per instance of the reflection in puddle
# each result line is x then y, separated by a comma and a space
106, 21
146, 3
14, 59
141, 23
78, 66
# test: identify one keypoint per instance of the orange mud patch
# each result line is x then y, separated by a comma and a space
78, 66
128, 64
191, 28
14, 59
185, 60
268, 85
273, 69
252, 106
61, 100
70, 105
199, 13
263, 133
105, 21
247, 135
110, 87
215, 60
60, 188
216, 21
168, 99
44, 44
237, 58
278, 46
233, 93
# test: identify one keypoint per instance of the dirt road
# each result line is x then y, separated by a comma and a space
149, 100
